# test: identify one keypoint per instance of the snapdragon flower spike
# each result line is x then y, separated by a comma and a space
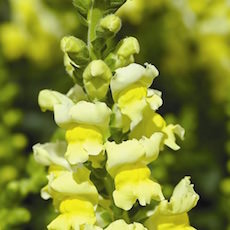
88, 122
126, 163
173, 214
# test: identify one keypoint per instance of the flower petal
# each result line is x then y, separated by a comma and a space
83, 141
68, 184
152, 146
153, 122
170, 139
154, 99
96, 114
48, 98
131, 152
51, 153
174, 222
131, 74
183, 199
135, 184
124, 154
74, 214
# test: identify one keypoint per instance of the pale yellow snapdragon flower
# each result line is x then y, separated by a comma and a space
86, 125
75, 214
73, 194
136, 104
129, 87
172, 215
127, 164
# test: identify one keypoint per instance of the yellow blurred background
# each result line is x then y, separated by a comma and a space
188, 41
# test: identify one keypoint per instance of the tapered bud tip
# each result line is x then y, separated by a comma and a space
72, 44
111, 22
129, 46
97, 68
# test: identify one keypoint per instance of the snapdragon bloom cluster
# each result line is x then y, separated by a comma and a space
98, 172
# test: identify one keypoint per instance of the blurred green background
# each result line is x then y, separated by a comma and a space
187, 40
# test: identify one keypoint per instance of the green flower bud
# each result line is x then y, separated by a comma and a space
76, 49
111, 23
128, 46
96, 78
124, 53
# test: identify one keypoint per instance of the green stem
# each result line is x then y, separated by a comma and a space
93, 17
89, 19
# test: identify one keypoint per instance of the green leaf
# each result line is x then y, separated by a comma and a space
82, 6
114, 5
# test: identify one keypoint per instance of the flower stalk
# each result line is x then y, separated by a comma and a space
99, 175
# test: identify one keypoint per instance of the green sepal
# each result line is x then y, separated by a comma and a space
141, 214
